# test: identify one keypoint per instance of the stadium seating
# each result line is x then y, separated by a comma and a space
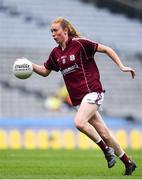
102, 25
25, 31
130, 8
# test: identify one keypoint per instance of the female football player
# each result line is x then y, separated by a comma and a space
74, 57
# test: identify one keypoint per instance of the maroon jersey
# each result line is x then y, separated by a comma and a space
77, 65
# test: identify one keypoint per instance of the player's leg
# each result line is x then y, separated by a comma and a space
85, 112
98, 123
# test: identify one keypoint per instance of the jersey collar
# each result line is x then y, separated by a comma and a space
68, 42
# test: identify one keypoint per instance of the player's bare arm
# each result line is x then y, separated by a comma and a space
112, 54
41, 70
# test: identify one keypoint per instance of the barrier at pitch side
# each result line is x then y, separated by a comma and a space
57, 139
57, 133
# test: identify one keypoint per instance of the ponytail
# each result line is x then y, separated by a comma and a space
66, 24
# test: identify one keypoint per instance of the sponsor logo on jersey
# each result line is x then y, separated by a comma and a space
63, 58
63, 61
70, 69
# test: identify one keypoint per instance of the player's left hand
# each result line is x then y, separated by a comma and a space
129, 69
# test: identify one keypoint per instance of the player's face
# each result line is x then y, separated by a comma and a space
58, 33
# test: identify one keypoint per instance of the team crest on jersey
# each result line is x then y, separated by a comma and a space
72, 57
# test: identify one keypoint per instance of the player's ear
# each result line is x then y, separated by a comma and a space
66, 30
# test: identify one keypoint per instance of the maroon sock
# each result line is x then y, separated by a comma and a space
125, 159
103, 146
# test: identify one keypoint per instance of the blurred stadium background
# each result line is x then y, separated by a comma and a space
25, 120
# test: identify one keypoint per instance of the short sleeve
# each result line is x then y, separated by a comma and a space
51, 63
89, 46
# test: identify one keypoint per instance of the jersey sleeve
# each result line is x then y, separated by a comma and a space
89, 46
51, 63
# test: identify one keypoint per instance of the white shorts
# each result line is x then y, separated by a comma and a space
92, 98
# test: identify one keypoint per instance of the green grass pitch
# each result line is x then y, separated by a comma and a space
63, 164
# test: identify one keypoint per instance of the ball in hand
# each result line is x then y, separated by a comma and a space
22, 68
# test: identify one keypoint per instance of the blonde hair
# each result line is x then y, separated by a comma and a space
66, 24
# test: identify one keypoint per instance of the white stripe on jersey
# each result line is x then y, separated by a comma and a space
83, 66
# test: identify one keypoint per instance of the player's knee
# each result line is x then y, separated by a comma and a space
79, 124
